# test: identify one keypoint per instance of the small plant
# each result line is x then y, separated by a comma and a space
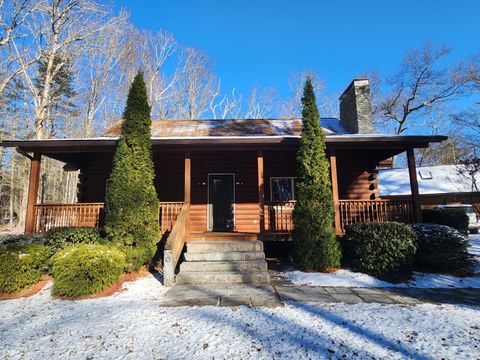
60, 237
22, 266
21, 239
135, 257
383, 250
442, 249
455, 218
86, 269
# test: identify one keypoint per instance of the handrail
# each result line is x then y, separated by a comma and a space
380, 210
278, 216
49, 216
174, 245
169, 211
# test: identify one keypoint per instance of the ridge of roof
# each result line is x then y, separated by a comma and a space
230, 127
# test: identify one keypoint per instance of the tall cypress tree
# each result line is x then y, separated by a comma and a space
315, 244
131, 204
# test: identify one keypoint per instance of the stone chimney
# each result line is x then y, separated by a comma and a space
356, 108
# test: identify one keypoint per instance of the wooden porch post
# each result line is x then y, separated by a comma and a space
187, 188
336, 203
412, 172
32, 192
261, 190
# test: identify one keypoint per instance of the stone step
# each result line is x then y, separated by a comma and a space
223, 277
225, 256
209, 266
224, 246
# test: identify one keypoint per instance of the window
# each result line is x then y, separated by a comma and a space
282, 188
425, 175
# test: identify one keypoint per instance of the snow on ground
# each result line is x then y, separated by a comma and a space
133, 325
347, 278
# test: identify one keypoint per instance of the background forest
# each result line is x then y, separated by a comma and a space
66, 66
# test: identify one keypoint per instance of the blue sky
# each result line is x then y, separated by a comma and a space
262, 42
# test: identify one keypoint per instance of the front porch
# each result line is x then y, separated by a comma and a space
278, 216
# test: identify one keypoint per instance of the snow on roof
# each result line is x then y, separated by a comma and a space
431, 180
231, 127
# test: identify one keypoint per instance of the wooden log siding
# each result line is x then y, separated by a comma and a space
174, 245
48, 216
365, 211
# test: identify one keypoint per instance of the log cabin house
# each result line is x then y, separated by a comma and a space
233, 179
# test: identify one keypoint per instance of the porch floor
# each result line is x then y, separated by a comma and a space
222, 236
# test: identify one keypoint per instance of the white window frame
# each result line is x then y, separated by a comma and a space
292, 182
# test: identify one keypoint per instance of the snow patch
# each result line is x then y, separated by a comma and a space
348, 278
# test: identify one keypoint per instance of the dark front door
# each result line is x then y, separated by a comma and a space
220, 202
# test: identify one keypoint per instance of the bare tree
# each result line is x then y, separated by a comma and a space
66, 26
154, 50
418, 89
13, 29
226, 106
291, 106
470, 167
99, 68
261, 102
196, 87
469, 119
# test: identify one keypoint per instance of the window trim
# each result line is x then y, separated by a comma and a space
292, 183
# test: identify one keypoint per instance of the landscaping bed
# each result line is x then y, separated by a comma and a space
349, 278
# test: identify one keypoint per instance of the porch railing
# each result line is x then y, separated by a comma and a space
174, 245
366, 211
278, 216
169, 212
49, 216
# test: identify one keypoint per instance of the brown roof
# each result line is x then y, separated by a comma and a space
230, 127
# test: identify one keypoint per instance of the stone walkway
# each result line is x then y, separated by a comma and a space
287, 291
281, 290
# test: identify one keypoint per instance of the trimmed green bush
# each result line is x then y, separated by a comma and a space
60, 237
315, 245
383, 250
442, 249
86, 269
21, 239
131, 203
455, 218
22, 265
135, 257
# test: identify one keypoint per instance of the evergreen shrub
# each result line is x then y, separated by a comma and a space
22, 265
86, 269
442, 249
384, 250
60, 237
455, 218
315, 245
131, 204
135, 257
